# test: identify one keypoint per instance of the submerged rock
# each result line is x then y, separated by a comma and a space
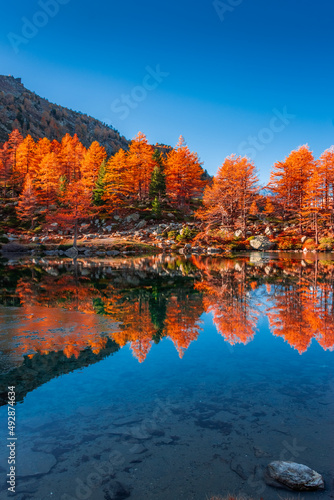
295, 476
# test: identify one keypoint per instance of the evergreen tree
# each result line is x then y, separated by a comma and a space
100, 185
158, 184
156, 207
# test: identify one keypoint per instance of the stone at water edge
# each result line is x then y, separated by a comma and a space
261, 243
72, 253
294, 476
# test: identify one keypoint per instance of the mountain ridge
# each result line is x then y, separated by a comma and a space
31, 114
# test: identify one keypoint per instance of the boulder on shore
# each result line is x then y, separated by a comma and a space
293, 476
261, 243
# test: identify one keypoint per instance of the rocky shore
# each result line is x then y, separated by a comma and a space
133, 235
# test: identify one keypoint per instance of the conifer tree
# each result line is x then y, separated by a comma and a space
158, 184
26, 207
99, 190
156, 207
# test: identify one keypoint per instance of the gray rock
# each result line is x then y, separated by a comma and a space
238, 233
113, 253
35, 239
294, 476
303, 239
170, 215
261, 243
268, 231
133, 217
72, 253
141, 224
212, 250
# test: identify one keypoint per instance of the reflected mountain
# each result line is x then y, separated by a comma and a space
38, 369
57, 316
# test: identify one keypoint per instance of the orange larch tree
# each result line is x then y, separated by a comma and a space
25, 160
27, 204
326, 169
289, 180
183, 174
313, 208
76, 203
117, 186
71, 155
14, 140
47, 181
6, 168
229, 200
91, 163
141, 164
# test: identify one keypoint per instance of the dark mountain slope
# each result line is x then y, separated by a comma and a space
30, 114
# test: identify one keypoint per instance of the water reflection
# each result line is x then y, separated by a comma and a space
144, 300
86, 307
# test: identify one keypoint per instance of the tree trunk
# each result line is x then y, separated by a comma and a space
75, 234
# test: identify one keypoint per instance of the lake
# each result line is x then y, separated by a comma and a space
164, 377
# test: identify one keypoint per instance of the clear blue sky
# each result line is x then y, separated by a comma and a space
229, 65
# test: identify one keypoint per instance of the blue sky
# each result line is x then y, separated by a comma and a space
237, 76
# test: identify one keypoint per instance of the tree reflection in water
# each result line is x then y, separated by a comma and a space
145, 300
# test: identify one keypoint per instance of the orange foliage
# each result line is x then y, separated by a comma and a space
183, 174
230, 199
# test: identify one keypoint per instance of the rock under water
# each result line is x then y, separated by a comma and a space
294, 476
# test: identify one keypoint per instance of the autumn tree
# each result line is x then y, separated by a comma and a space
289, 180
91, 164
229, 200
269, 208
313, 202
71, 155
117, 187
43, 148
326, 170
25, 161
76, 204
14, 140
47, 181
140, 166
26, 207
183, 174
6, 167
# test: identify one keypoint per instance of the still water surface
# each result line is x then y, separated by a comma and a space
166, 378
